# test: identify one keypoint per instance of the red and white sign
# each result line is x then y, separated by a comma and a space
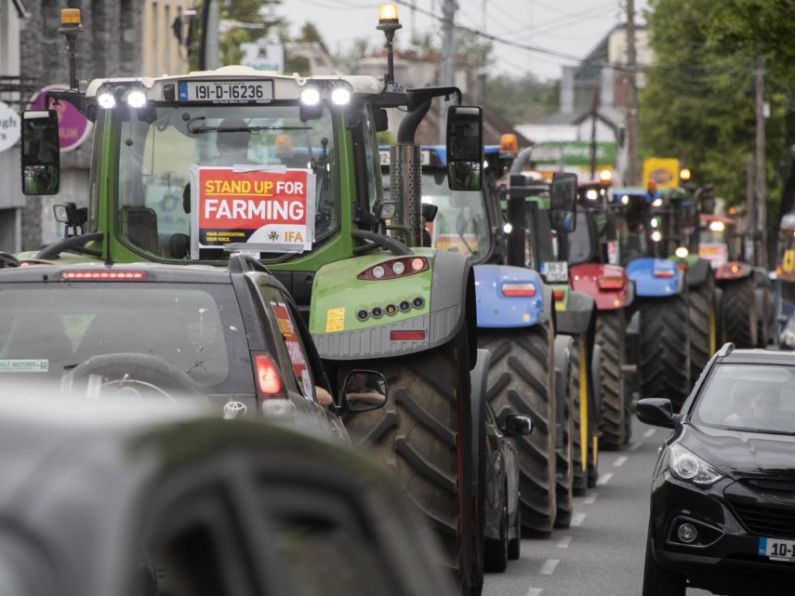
294, 349
267, 210
717, 253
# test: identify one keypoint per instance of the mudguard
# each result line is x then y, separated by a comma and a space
479, 377
585, 278
697, 273
576, 316
441, 299
648, 285
733, 271
762, 278
497, 311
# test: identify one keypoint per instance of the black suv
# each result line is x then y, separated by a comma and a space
722, 507
233, 335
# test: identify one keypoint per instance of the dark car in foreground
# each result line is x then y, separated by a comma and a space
141, 499
723, 492
503, 522
232, 335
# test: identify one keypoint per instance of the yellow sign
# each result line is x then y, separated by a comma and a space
662, 171
335, 320
788, 264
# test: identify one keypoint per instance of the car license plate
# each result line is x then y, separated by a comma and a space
777, 549
555, 271
226, 91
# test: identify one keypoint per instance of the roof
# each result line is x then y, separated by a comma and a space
759, 356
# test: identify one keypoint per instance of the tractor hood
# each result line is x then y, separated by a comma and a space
655, 278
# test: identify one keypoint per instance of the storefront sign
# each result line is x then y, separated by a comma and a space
73, 127
252, 208
9, 127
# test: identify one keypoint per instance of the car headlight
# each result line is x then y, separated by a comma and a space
686, 465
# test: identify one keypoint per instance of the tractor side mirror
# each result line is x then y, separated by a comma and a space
465, 147
563, 202
41, 153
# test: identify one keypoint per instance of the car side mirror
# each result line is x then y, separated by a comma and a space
656, 411
364, 390
41, 153
465, 147
516, 425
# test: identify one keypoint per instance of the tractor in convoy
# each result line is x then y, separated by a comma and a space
538, 225
516, 322
675, 309
747, 302
785, 282
189, 168
593, 272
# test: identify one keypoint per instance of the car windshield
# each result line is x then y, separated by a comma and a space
751, 398
461, 224
45, 332
161, 149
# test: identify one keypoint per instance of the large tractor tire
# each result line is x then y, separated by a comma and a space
582, 423
702, 327
522, 378
616, 399
564, 485
665, 349
739, 315
421, 430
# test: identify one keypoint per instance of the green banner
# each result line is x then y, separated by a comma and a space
575, 153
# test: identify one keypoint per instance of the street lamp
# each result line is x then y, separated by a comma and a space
388, 22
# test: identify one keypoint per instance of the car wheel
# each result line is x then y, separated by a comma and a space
658, 581
515, 543
496, 552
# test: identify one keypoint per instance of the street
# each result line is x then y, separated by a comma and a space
602, 553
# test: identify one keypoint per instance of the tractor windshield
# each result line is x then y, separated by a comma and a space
718, 241
162, 147
462, 223
631, 219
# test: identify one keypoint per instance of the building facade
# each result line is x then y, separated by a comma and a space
163, 21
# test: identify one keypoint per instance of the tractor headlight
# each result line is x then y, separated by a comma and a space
310, 96
682, 252
656, 236
106, 100
341, 96
136, 99
686, 465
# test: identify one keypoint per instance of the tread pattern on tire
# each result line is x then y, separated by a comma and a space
611, 336
418, 432
739, 314
564, 483
701, 316
521, 377
579, 468
665, 348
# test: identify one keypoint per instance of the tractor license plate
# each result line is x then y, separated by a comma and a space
226, 91
555, 271
777, 549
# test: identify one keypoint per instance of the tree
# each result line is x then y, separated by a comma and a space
250, 20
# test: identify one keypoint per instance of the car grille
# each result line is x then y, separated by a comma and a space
762, 520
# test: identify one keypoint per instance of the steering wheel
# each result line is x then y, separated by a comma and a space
129, 375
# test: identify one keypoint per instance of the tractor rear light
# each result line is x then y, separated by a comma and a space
518, 290
729, 271
395, 268
407, 335
665, 273
610, 282
559, 295
103, 275
269, 380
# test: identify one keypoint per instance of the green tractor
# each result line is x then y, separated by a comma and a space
187, 168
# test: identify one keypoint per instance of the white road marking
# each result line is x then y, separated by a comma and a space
590, 499
548, 568
564, 542
603, 479
577, 519
535, 591
635, 446
650, 432
620, 461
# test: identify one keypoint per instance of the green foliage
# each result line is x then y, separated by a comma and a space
521, 100
255, 20
698, 102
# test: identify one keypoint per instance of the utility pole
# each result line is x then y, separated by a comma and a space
750, 222
760, 231
594, 116
633, 167
447, 74
208, 53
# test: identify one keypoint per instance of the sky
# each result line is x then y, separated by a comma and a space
572, 27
